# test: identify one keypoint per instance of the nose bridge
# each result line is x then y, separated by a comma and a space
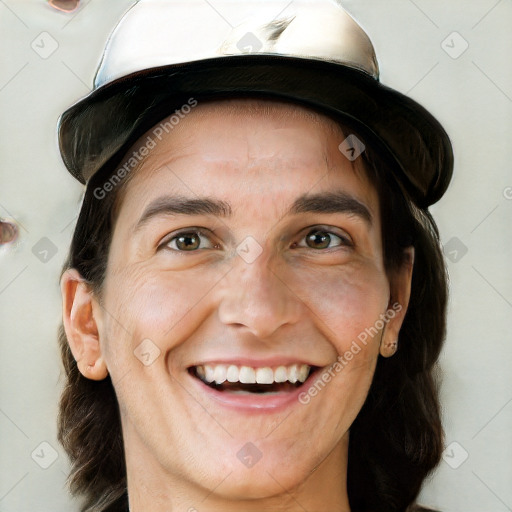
257, 297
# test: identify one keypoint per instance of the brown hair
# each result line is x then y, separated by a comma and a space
387, 465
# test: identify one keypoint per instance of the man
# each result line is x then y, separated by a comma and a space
235, 332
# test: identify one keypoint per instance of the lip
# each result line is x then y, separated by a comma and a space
254, 403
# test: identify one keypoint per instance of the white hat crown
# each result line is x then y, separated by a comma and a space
156, 33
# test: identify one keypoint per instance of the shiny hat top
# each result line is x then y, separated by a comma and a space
157, 33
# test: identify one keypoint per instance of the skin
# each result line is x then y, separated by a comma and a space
181, 446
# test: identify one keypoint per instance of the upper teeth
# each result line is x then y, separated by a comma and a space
220, 373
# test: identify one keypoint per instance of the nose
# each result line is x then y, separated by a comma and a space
259, 297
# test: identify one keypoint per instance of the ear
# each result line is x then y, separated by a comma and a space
81, 326
400, 292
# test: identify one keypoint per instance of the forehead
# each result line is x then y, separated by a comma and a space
243, 143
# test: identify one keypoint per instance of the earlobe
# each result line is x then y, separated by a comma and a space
81, 326
398, 304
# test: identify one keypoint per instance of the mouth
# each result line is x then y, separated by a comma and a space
247, 380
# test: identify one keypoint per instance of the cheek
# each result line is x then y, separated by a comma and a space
145, 303
347, 305
346, 301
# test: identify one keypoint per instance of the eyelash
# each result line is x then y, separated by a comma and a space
344, 240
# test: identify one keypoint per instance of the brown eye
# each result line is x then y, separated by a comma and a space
318, 240
322, 239
189, 241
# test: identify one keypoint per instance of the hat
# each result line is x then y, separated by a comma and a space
165, 52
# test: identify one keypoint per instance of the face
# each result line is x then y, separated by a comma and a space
265, 285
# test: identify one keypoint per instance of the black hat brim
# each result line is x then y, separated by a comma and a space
97, 131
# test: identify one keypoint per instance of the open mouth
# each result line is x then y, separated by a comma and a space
248, 380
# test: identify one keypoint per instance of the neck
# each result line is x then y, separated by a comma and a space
150, 487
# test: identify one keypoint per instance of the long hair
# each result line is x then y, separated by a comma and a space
397, 437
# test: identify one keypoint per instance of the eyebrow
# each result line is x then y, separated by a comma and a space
328, 202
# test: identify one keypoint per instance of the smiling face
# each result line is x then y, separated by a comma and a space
246, 258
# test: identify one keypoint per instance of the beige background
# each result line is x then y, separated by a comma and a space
469, 91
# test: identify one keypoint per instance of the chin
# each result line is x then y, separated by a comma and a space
251, 485
271, 475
